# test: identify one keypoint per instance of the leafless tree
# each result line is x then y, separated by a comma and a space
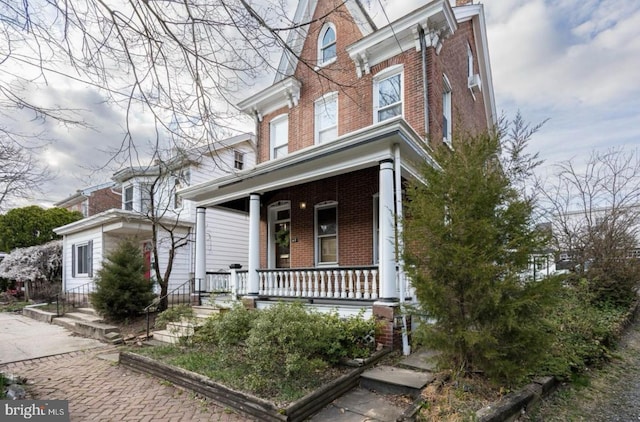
595, 216
183, 64
20, 171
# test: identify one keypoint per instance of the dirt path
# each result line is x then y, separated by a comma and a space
612, 393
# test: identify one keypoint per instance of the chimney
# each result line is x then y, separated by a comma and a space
463, 2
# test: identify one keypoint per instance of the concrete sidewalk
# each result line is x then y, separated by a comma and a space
23, 338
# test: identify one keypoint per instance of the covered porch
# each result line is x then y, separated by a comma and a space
324, 221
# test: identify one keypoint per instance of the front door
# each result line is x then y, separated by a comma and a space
280, 215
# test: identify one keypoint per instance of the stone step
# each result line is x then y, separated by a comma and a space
392, 380
81, 316
65, 322
113, 338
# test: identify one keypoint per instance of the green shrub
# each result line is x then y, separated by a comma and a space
122, 291
229, 328
173, 314
585, 331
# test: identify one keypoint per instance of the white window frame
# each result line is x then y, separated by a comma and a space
127, 203
238, 159
320, 106
82, 267
274, 147
273, 220
447, 126
317, 236
379, 78
145, 197
322, 47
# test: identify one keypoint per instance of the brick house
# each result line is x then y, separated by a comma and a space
93, 200
353, 112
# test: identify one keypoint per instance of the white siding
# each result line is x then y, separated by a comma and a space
95, 235
227, 239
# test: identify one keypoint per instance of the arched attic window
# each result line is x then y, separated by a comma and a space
327, 44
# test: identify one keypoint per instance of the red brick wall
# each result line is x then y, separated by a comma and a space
355, 99
354, 194
104, 199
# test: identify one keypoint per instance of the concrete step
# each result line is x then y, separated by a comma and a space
182, 328
67, 323
205, 311
81, 316
392, 380
88, 311
96, 330
358, 405
113, 338
420, 360
166, 336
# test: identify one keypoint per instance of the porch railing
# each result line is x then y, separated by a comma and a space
217, 282
341, 282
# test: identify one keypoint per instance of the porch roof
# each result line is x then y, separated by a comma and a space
115, 221
353, 151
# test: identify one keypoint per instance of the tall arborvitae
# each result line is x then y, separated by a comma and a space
468, 238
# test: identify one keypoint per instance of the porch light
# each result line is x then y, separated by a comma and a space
303, 205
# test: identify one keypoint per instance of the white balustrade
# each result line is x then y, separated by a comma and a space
343, 283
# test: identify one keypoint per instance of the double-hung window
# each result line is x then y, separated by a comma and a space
238, 160
146, 196
387, 94
446, 111
327, 233
128, 198
327, 44
279, 136
326, 118
82, 259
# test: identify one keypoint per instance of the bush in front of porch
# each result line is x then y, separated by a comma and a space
280, 353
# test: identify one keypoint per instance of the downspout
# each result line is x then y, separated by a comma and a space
406, 349
425, 81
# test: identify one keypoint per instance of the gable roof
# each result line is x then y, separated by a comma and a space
297, 36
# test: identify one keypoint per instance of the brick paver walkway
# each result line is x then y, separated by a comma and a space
99, 390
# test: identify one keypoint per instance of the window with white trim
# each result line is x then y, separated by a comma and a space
146, 196
238, 160
326, 118
82, 259
326, 233
128, 198
387, 94
327, 44
177, 199
446, 111
279, 136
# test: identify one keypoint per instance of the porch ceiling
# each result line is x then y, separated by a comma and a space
348, 153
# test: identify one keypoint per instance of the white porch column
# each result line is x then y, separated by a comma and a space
387, 258
201, 258
253, 282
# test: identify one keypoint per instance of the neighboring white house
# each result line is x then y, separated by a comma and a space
86, 242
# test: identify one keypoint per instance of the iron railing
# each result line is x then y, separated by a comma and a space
75, 298
180, 295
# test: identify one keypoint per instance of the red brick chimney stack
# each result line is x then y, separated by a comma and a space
463, 2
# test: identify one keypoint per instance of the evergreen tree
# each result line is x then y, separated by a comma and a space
122, 291
469, 234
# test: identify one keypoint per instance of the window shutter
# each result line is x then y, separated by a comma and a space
90, 258
73, 260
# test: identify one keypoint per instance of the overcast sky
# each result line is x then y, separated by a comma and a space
575, 62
